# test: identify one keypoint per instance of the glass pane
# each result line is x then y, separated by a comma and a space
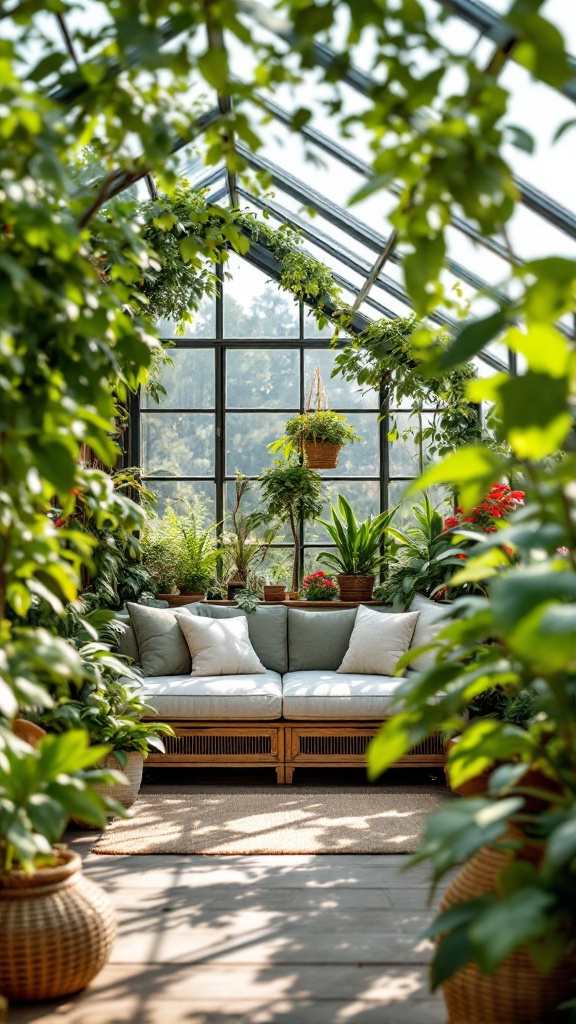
250, 502
342, 394
438, 495
189, 382
174, 490
276, 567
203, 325
247, 437
404, 452
363, 495
311, 563
262, 379
256, 308
177, 444
360, 459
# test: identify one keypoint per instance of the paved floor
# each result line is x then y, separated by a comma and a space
257, 940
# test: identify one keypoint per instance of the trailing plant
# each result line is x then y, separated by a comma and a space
291, 493
189, 237
319, 425
382, 357
359, 545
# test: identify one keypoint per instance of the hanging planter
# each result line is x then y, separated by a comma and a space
318, 434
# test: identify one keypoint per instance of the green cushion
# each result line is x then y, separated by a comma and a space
163, 649
267, 629
318, 639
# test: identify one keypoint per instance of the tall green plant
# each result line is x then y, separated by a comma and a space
359, 545
291, 493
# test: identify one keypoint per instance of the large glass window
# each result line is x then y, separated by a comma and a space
229, 396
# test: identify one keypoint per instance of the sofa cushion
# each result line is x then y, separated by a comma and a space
431, 620
267, 629
126, 639
318, 639
191, 697
378, 641
333, 695
219, 647
161, 645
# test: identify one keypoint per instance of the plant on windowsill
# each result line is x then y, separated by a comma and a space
359, 550
319, 587
291, 493
243, 549
181, 552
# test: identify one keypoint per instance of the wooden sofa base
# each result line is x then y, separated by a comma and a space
283, 745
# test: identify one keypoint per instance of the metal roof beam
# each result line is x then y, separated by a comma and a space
334, 149
351, 225
500, 31
537, 201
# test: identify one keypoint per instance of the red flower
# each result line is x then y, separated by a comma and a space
462, 556
451, 522
59, 522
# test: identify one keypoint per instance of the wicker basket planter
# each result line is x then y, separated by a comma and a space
356, 588
516, 993
273, 593
322, 454
128, 794
57, 930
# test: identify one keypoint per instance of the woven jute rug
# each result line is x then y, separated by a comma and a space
275, 820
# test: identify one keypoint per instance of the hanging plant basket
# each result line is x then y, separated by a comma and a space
322, 454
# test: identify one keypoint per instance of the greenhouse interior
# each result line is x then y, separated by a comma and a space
288, 512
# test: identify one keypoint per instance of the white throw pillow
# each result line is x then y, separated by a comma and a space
219, 647
431, 621
378, 641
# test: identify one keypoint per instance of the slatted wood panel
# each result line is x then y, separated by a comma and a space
283, 745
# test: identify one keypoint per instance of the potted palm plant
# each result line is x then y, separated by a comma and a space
56, 927
359, 550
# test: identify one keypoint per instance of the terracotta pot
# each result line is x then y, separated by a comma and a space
322, 454
292, 595
356, 588
57, 930
516, 993
27, 731
274, 593
177, 600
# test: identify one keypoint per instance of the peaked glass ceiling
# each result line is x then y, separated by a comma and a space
314, 172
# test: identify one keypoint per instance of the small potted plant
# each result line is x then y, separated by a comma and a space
359, 550
181, 553
318, 435
243, 549
319, 587
292, 494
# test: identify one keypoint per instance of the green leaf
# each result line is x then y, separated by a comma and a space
472, 339
472, 469
511, 923
561, 846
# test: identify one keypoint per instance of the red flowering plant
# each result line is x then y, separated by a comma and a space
500, 501
319, 587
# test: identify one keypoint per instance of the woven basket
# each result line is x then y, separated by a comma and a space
356, 588
125, 795
322, 454
57, 930
516, 993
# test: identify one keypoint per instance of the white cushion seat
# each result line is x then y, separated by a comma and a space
240, 696
337, 695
